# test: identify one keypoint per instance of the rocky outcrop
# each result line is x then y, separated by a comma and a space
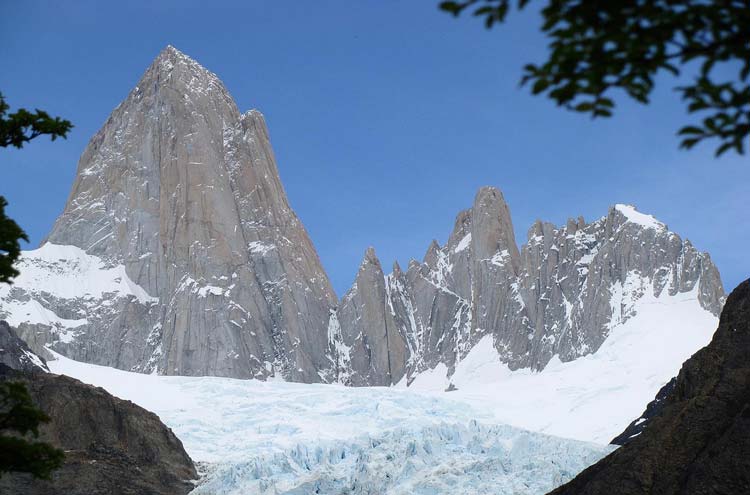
375, 350
178, 251
111, 446
699, 440
560, 295
15, 354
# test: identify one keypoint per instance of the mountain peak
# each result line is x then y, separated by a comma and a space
492, 227
396, 269
172, 54
197, 185
370, 257
172, 68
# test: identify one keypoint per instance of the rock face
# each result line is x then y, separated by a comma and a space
15, 354
178, 253
373, 350
699, 440
111, 446
561, 295
178, 219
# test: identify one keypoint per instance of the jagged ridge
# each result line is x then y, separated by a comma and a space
561, 294
178, 253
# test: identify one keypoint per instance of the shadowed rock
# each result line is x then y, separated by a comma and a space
15, 354
111, 446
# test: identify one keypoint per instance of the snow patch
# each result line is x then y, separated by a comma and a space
257, 247
65, 273
500, 258
635, 216
68, 272
463, 243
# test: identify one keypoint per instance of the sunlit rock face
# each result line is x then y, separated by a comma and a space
178, 206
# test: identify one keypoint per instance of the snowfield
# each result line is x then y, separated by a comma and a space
493, 434
594, 397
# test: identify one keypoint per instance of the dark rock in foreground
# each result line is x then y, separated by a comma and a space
699, 443
111, 446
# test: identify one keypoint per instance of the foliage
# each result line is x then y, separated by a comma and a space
22, 126
18, 415
598, 46
19, 418
10, 249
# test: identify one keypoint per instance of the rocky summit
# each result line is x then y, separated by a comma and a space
189, 257
178, 253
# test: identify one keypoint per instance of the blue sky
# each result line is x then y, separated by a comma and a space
385, 116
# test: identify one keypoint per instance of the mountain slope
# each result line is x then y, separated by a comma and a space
699, 441
111, 446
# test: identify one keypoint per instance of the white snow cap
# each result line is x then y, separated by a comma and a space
642, 219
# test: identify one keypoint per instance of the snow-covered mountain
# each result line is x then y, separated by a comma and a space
178, 253
560, 297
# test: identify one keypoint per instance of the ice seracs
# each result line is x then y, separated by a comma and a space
253, 437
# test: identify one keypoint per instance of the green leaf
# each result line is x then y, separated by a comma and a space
451, 7
724, 148
691, 129
539, 86
586, 106
689, 143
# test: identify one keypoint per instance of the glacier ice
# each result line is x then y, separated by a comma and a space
441, 459
253, 437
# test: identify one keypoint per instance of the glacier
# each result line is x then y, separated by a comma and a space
255, 437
